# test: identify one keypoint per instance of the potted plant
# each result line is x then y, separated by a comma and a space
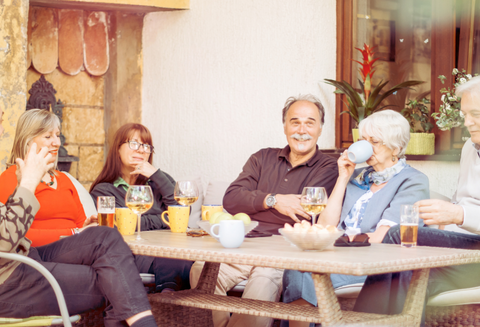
418, 116
367, 100
449, 114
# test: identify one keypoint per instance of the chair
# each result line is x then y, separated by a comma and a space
43, 320
456, 307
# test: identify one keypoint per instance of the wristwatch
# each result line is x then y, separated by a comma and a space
271, 200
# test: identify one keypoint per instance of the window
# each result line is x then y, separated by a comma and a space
415, 40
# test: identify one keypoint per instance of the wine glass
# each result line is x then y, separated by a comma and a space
139, 199
185, 192
313, 200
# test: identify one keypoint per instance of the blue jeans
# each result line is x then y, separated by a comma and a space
386, 293
299, 285
94, 268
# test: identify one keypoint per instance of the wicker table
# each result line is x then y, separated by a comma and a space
278, 253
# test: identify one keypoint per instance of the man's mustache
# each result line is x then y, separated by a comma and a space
301, 137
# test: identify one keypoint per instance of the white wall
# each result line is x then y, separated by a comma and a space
216, 78
443, 175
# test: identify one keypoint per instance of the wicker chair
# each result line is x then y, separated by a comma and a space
454, 308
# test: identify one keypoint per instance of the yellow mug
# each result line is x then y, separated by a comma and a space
209, 209
177, 218
125, 220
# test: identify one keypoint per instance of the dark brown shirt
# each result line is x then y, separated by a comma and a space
269, 171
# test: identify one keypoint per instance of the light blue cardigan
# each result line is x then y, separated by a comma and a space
407, 187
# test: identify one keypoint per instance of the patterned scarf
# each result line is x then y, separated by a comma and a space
369, 175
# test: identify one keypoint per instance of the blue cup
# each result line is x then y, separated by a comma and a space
360, 151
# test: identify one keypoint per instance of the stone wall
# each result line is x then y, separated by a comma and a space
83, 120
13, 42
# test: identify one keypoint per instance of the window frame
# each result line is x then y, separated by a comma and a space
443, 60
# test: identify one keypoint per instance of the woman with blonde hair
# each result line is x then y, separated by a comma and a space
61, 212
88, 266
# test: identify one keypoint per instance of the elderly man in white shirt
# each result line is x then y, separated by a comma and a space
386, 293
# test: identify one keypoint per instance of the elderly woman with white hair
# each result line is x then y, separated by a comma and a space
365, 200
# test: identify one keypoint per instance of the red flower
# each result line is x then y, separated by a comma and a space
367, 68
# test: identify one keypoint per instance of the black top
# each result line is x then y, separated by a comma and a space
162, 186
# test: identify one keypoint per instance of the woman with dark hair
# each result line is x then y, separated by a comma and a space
129, 162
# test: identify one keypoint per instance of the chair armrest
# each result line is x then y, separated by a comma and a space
56, 287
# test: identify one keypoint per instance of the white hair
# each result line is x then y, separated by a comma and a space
472, 86
390, 127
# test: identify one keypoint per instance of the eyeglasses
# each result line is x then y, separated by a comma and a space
374, 143
134, 145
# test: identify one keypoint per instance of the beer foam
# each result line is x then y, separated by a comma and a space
106, 210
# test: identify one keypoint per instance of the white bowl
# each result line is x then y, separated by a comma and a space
206, 226
311, 241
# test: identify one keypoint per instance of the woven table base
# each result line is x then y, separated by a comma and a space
166, 315
458, 316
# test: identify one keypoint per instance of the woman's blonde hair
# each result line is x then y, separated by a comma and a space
32, 123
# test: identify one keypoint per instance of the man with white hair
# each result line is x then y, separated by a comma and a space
268, 189
386, 293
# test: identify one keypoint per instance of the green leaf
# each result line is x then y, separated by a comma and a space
361, 114
353, 98
404, 85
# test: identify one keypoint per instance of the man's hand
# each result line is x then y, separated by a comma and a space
31, 170
289, 205
438, 212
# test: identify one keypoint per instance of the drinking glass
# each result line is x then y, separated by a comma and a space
313, 200
408, 225
139, 199
185, 192
106, 210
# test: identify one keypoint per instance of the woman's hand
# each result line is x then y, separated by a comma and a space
345, 166
31, 170
143, 168
85, 227
90, 221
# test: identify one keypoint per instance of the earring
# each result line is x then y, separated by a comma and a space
393, 158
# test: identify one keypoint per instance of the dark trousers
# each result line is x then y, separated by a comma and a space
386, 293
93, 268
169, 273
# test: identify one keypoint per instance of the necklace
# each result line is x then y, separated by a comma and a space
51, 180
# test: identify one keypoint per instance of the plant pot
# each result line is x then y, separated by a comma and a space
355, 134
421, 144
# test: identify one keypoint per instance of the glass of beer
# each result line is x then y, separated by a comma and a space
408, 225
106, 210
185, 192
313, 200
139, 199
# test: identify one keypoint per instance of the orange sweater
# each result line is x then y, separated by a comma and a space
60, 209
